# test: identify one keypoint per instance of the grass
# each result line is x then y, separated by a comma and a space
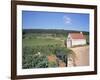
41, 41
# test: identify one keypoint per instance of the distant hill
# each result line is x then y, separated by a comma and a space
52, 31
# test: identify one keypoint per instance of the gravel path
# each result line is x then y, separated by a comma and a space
82, 55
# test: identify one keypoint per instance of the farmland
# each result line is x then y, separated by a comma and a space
39, 45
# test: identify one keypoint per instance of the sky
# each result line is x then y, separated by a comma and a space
55, 20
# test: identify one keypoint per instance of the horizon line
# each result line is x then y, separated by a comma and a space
56, 29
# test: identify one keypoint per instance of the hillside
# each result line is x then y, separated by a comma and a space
57, 31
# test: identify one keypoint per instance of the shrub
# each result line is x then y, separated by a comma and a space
36, 61
52, 64
31, 58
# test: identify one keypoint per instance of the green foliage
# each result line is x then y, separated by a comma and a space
36, 57
52, 64
42, 41
27, 50
52, 31
63, 50
35, 61
31, 58
46, 50
38, 44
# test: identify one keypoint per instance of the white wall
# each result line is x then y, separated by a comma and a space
5, 32
78, 42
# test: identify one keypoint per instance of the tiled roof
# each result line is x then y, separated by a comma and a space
77, 36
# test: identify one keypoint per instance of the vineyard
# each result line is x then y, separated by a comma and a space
36, 57
44, 50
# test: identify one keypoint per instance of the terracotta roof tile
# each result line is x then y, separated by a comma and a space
77, 35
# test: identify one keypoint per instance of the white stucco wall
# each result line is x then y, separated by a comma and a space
78, 42
75, 42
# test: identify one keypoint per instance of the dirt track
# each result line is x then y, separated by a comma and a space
82, 55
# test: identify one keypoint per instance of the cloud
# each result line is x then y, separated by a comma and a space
67, 20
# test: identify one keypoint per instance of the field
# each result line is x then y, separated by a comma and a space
41, 41
40, 46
